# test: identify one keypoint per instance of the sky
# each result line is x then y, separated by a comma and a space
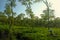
37, 8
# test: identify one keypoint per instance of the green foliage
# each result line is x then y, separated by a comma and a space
28, 10
45, 15
12, 3
38, 33
20, 16
25, 28
29, 33
8, 10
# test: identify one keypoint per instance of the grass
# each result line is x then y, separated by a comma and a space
39, 33
35, 33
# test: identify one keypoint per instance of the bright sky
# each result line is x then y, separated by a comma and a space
37, 8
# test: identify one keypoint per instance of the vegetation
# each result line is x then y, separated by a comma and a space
19, 27
27, 33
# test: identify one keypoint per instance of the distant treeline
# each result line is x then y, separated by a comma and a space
36, 22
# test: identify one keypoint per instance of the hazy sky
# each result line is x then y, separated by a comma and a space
37, 8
